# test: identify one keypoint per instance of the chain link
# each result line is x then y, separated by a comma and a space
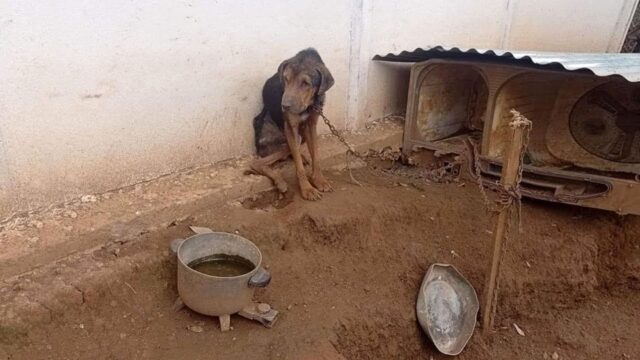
351, 150
506, 196
437, 175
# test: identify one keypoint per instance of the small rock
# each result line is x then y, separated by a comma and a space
34, 239
116, 252
81, 326
71, 214
555, 356
36, 224
123, 335
289, 307
195, 328
518, 330
88, 198
234, 339
545, 356
138, 213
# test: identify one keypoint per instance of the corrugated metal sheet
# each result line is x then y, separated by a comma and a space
608, 64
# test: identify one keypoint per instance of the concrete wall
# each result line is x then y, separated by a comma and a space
100, 94
97, 95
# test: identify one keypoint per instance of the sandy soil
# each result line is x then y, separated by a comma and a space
346, 272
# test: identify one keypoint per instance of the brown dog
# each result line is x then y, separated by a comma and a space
292, 98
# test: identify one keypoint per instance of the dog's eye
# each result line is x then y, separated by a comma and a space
306, 83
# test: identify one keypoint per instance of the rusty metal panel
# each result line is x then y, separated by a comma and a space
585, 141
600, 64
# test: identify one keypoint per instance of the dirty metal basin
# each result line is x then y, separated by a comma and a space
214, 295
447, 308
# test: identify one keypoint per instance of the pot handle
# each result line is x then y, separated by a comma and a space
260, 279
175, 244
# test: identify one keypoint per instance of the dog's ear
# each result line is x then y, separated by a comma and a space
281, 70
326, 80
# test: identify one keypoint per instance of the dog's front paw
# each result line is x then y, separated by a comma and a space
321, 183
310, 193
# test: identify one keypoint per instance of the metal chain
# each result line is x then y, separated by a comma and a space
475, 160
435, 175
506, 196
350, 148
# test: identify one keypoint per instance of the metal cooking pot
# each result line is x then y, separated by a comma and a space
213, 295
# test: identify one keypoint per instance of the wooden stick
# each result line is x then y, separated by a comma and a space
509, 181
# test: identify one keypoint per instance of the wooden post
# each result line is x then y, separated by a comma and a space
511, 165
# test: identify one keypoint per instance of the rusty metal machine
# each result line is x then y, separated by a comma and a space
585, 108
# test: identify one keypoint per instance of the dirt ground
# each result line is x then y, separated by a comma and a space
346, 272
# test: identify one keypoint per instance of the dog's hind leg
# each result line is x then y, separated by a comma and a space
258, 124
263, 167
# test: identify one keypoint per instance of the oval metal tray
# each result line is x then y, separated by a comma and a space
447, 308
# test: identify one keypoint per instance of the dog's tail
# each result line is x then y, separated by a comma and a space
258, 123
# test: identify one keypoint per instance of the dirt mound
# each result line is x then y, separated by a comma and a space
346, 271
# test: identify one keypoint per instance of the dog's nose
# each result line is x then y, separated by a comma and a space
286, 107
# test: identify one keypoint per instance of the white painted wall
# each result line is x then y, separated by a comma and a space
100, 94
